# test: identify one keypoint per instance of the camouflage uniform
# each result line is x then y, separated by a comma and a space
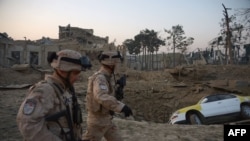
45, 98
48, 98
100, 101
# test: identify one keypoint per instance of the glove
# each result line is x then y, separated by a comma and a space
127, 111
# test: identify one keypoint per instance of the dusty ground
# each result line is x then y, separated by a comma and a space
153, 96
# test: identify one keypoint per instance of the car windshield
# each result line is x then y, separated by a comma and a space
204, 100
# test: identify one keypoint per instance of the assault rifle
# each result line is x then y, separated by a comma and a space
119, 90
77, 113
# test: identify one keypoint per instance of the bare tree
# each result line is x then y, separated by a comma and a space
177, 39
228, 44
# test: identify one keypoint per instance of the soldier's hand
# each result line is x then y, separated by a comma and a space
127, 111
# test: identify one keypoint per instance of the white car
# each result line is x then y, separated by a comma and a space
216, 108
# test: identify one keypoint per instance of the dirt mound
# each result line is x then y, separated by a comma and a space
10, 76
152, 95
155, 95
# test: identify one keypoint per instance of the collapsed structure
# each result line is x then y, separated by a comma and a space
36, 52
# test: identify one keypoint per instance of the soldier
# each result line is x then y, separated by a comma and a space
50, 111
101, 103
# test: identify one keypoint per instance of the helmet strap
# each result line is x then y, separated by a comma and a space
67, 79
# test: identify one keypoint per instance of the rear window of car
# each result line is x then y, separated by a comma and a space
226, 96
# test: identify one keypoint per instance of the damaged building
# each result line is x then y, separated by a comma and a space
36, 52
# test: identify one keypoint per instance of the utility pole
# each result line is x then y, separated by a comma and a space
25, 51
228, 37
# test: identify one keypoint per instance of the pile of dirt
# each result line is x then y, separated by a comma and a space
130, 129
152, 95
9, 76
155, 95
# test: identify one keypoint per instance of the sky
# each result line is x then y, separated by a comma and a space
118, 19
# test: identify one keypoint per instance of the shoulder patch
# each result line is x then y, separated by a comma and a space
103, 87
29, 106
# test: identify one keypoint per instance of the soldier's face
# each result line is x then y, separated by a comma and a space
74, 76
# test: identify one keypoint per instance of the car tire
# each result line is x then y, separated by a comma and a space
245, 111
195, 119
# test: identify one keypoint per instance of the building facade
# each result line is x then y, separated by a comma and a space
36, 52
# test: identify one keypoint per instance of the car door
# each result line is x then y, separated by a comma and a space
232, 103
213, 106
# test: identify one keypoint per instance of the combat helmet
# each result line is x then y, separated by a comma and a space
68, 60
110, 57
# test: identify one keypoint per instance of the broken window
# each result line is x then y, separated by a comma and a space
90, 43
15, 57
34, 58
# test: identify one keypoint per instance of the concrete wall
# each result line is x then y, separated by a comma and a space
3, 54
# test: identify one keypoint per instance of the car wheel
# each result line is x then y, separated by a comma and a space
245, 111
195, 119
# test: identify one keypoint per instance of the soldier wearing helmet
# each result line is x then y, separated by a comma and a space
50, 110
101, 103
